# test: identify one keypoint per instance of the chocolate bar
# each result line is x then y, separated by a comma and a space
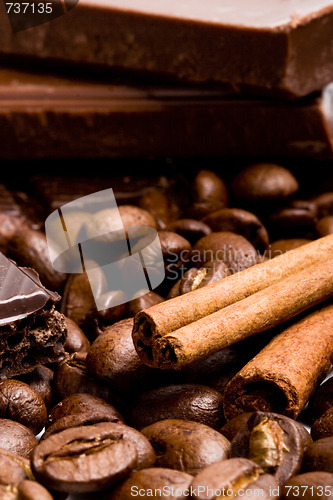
45, 116
274, 47
32, 332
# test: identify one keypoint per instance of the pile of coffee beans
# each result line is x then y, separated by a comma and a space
100, 423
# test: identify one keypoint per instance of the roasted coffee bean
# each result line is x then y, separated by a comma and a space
186, 445
216, 370
79, 403
156, 482
264, 183
322, 400
231, 248
324, 204
103, 225
198, 277
274, 442
231, 428
84, 459
41, 380
323, 426
20, 402
319, 456
86, 417
9, 225
112, 358
76, 340
145, 452
71, 377
325, 226
291, 222
309, 485
279, 247
78, 302
209, 193
138, 303
191, 229
237, 220
178, 401
13, 468
30, 490
29, 247
16, 438
162, 207
233, 478
175, 248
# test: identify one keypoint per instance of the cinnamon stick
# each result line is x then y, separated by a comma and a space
257, 313
170, 315
283, 376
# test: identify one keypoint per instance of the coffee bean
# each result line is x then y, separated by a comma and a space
141, 302
209, 193
78, 303
191, 229
309, 485
233, 478
279, 247
9, 225
79, 403
231, 428
162, 207
76, 340
71, 377
41, 380
231, 248
322, 400
323, 426
13, 468
186, 445
179, 401
20, 402
291, 222
84, 459
324, 204
31, 490
264, 183
274, 442
145, 453
29, 247
86, 417
325, 226
319, 456
198, 277
147, 482
243, 222
112, 358
104, 227
16, 438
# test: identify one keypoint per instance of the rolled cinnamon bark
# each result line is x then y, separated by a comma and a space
283, 376
170, 315
257, 313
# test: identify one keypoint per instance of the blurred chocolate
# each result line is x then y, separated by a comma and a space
57, 116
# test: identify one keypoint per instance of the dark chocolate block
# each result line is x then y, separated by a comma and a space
43, 116
277, 47
32, 332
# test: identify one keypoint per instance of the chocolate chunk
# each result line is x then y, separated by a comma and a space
32, 332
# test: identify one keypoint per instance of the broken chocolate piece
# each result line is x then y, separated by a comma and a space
32, 332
